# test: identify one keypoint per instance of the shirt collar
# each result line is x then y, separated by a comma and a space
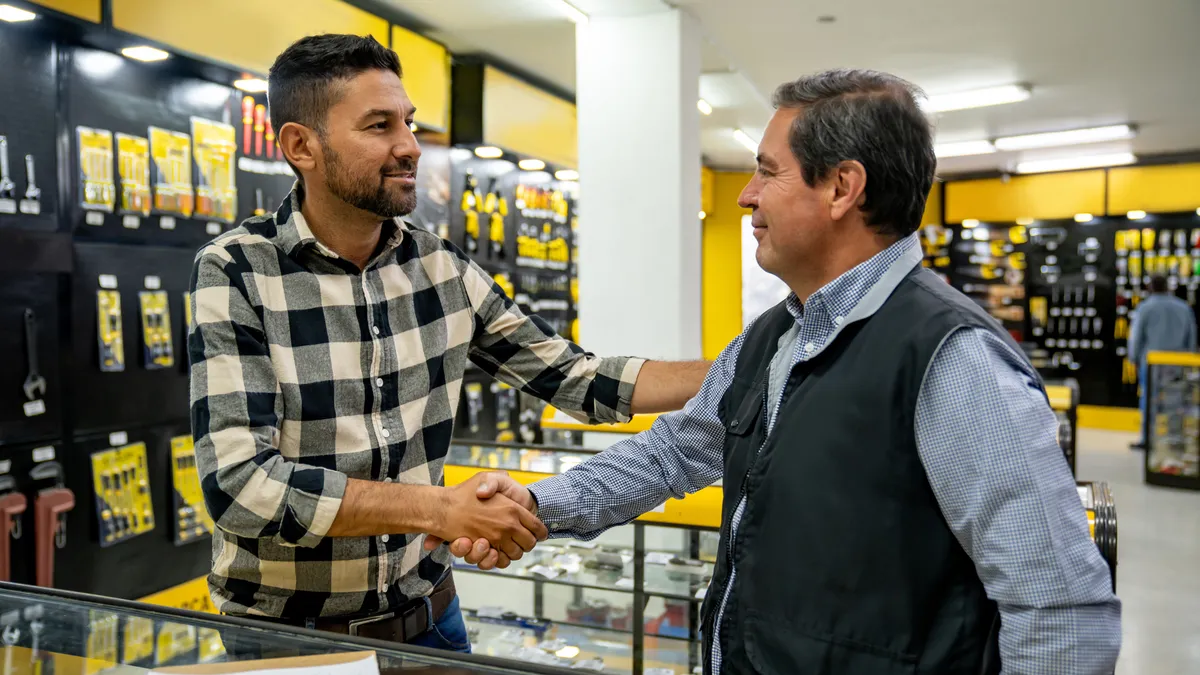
292, 233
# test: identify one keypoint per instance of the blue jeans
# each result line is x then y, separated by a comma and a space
449, 633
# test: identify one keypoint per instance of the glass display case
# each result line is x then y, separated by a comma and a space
1172, 421
628, 602
1064, 401
52, 632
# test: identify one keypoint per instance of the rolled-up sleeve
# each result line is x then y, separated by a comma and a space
525, 352
250, 489
989, 443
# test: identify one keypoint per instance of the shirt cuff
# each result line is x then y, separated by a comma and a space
308, 516
615, 380
556, 501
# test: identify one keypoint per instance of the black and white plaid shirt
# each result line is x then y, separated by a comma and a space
306, 371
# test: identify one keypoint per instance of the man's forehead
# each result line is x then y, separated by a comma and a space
374, 90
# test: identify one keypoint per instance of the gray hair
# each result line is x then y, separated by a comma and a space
869, 117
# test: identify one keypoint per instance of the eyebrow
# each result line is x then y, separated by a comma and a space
763, 160
385, 113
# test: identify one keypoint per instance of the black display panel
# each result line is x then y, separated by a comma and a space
30, 410
29, 73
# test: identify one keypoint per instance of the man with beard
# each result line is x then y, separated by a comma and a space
328, 352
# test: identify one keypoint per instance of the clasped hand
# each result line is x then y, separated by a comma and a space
490, 519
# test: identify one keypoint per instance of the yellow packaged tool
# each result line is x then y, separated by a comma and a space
1038, 311
942, 262
1148, 238
96, 169
1185, 267
171, 172
470, 205
1121, 328
1135, 265
133, 165
214, 149
1121, 242
101, 648
210, 645
174, 640
505, 284
1018, 234
496, 225
111, 340
156, 330
121, 486
139, 640
1016, 260
187, 312
1150, 262
192, 520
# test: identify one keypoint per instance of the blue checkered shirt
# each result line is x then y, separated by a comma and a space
989, 443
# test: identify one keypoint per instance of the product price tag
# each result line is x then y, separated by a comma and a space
5, 466
43, 454
131, 222
8, 206
213, 228
153, 283
108, 281
167, 222
30, 207
35, 408
94, 218
118, 438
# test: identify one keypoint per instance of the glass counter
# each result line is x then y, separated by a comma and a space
47, 631
1172, 422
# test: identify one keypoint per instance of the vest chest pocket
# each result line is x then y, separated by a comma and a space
779, 648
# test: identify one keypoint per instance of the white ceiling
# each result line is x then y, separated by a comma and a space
1090, 62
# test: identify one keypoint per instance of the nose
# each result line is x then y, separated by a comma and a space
408, 146
749, 197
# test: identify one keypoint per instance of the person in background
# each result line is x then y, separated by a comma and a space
328, 352
896, 500
1162, 322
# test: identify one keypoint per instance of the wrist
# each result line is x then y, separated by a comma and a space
436, 517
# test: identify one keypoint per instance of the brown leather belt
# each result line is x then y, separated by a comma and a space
402, 624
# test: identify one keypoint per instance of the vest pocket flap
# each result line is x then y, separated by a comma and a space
779, 648
748, 412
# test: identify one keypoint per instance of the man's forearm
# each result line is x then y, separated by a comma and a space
371, 509
663, 386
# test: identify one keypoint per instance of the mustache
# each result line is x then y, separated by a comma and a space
404, 165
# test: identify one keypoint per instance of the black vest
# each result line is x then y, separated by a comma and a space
845, 564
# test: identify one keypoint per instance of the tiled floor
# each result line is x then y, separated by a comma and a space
1158, 570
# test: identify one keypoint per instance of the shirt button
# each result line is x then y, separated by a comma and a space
375, 330
386, 433
385, 587
384, 538
379, 382
809, 347
837, 320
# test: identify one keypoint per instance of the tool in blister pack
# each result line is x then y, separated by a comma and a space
35, 384
1091, 294
1090, 250
474, 391
1121, 328
269, 137
1048, 237
50, 518
258, 202
1051, 273
1181, 240
8, 189
110, 334
496, 224
32, 203
1147, 239
1149, 263
1121, 243
1164, 242
1135, 266
12, 505
156, 330
260, 118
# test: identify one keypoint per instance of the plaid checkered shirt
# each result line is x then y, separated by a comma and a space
306, 371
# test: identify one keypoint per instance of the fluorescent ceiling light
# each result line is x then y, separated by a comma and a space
1069, 163
252, 85
704, 107
531, 164
15, 14
977, 98
566, 174
1136, 214
963, 148
1084, 217
1116, 132
970, 222
488, 152
144, 53
744, 138
573, 13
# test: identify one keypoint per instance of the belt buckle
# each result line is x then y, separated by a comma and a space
408, 618
353, 625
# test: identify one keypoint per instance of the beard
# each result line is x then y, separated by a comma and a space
370, 193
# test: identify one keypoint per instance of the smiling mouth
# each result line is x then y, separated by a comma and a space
410, 178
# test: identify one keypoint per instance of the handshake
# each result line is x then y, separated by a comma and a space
492, 520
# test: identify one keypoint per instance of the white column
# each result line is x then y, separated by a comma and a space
637, 82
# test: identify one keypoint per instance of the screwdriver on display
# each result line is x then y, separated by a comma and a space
247, 123
260, 116
270, 141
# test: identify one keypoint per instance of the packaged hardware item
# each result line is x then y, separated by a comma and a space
214, 150
133, 165
171, 172
97, 191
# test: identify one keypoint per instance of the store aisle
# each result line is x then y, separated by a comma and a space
1158, 570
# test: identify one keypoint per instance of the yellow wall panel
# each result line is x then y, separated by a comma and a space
243, 33
528, 121
426, 66
721, 270
1045, 196
1155, 189
933, 206
89, 10
708, 179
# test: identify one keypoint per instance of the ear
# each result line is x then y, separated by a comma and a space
849, 183
299, 145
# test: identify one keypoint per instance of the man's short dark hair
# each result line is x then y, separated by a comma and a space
305, 80
1158, 284
873, 118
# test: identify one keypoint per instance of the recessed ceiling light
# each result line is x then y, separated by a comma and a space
970, 222
145, 53
1069, 163
1025, 221
704, 107
566, 174
1084, 217
703, 215
1115, 132
744, 138
15, 14
252, 85
531, 164
488, 152
977, 98
1136, 214
963, 148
